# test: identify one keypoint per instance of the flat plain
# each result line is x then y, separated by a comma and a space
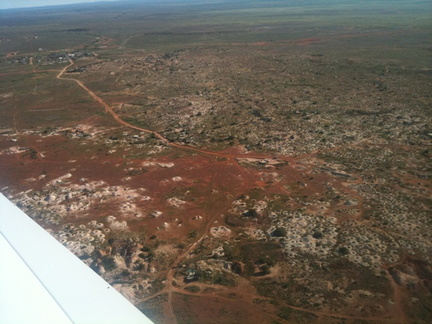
230, 161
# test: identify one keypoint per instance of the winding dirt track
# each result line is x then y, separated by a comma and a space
124, 123
169, 311
169, 288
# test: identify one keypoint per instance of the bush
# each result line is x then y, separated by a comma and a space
145, 249
251, 213
266, 260
279, 232
284, 313
108, 263
317, 235
193, 234
265, 270
343, 250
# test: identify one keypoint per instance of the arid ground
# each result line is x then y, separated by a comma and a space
232, 161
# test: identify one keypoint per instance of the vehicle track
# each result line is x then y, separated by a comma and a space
170, 316
158, 135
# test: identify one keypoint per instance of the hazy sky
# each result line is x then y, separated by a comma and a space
7, 4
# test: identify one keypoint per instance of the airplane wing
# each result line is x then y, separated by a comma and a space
43, 282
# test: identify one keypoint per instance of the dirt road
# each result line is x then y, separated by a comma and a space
247, 183
124, 123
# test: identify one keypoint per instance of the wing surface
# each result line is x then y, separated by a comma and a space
43, 282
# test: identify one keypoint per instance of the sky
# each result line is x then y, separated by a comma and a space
9, 4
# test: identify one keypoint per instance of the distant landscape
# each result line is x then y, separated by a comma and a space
230, 161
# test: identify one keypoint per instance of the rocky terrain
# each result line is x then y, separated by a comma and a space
244, 178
